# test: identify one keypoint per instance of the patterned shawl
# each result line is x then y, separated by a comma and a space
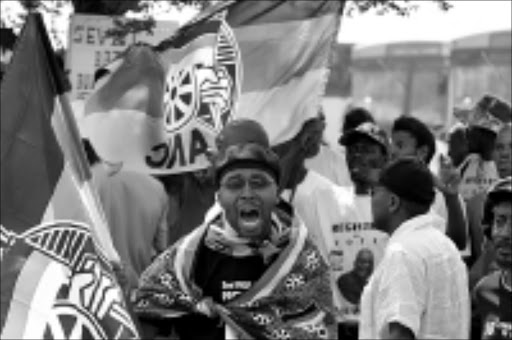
292, 300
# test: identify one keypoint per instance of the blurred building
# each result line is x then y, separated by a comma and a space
406, 78
481, 64
423, 79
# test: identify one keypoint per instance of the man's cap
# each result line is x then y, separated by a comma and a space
367, 130
355, 116
409, 179
498, 192
244, 143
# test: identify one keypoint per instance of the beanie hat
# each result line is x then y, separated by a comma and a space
241, 131
247, 156
409, 179
243, 143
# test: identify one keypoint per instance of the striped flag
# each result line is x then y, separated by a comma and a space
57, 281
123, 118
263, 60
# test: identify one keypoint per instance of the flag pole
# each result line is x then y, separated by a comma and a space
100, 230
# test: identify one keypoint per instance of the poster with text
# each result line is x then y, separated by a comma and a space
90, 47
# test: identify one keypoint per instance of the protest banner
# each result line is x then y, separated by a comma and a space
265, 60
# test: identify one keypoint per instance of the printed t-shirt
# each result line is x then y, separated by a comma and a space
477, 176
221, 277
494, 302
347, 229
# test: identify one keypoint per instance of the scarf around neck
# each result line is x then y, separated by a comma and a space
222, 237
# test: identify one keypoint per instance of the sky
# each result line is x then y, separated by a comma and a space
428, 22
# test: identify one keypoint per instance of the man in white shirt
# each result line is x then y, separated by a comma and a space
366, 154
412, 138
419, 290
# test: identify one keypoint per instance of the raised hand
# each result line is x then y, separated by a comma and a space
449, 179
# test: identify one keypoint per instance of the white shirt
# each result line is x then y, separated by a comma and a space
331, 163
421, 283
311, 202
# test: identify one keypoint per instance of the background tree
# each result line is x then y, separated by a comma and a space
146, 8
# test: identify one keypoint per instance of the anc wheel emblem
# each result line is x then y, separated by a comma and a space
180, 99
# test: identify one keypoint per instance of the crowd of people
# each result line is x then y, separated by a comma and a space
373, 238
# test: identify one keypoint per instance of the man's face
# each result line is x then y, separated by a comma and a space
363, 265
381, 208
501, 233
403, 145
503, 153
248, 197
365, 158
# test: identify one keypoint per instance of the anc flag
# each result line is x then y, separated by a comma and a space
262, 60
57, 282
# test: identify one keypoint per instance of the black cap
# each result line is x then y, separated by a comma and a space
368, 130
409, 179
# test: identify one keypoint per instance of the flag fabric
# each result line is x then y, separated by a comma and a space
291, 300
57, 280
123, 119
262, 60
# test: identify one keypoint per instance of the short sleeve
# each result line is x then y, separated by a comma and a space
401, 293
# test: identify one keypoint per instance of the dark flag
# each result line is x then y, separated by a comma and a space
56, 280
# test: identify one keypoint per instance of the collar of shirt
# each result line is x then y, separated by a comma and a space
416, 223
